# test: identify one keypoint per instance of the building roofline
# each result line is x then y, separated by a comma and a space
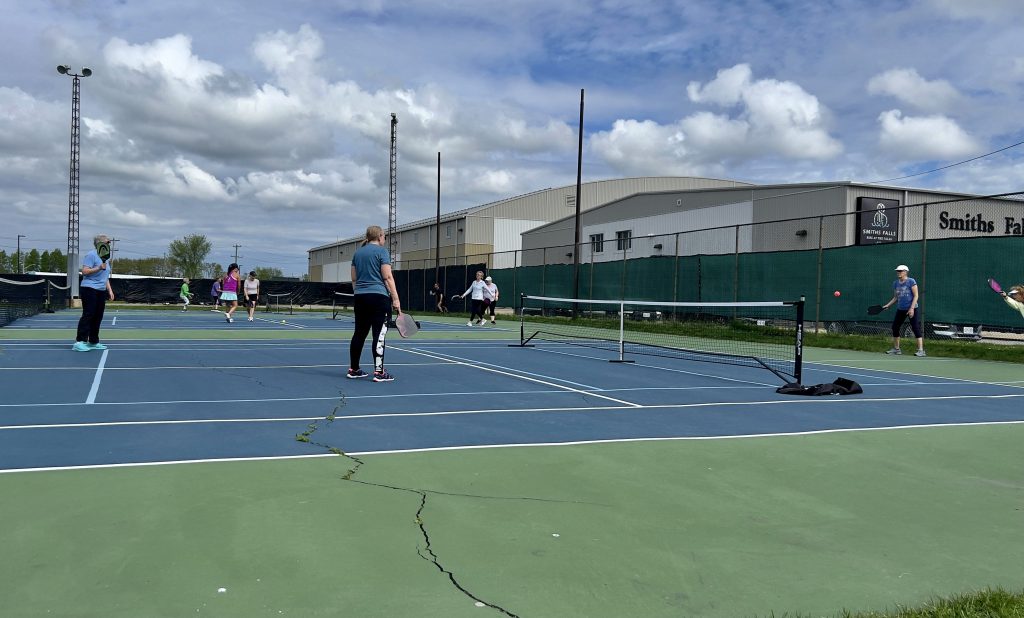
466, 212
811, 186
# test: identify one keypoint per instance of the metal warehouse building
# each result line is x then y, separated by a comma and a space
788, 217
492, 233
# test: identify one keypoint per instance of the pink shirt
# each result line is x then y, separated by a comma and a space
230, 284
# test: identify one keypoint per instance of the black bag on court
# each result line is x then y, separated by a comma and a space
841, 386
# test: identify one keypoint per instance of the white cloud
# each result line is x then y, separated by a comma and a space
988, 10
908, 86
108, 214
644, 148
929, 138
775, 118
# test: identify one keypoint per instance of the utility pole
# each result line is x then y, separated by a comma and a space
19, 268
437, 228
236, 253
393, 191
577, 240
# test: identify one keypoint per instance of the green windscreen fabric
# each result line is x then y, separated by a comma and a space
956, 281
951, 273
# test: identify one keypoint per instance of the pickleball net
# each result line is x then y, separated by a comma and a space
767, 335
280, 303
21, 299
342, 307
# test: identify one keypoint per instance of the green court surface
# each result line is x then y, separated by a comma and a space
807, 524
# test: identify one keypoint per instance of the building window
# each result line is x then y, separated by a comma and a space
448, 231
624, 240
415, 238
597, 243
570, 201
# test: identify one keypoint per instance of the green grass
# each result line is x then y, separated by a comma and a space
990, 603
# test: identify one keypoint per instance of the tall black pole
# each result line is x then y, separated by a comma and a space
437, 227
579, 223
19, 268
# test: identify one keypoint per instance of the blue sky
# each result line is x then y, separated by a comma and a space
266, 123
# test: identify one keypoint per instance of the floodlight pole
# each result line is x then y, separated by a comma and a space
73, 181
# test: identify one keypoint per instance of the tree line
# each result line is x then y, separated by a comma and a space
186, 257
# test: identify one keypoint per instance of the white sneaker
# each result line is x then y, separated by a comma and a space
895, 351
469, 323
920, 353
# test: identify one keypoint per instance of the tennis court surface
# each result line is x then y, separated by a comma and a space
488, 479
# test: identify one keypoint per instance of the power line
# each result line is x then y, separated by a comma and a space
945, 167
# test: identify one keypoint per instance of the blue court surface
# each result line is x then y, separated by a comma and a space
172, 400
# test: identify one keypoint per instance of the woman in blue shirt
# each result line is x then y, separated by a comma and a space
94, 291
375, 296
904, 296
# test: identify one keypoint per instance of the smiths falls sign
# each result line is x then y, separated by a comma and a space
1010, 226
878, 220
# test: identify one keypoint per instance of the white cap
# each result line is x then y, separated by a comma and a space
488, 279
902, 267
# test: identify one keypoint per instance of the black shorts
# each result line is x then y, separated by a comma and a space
252, 301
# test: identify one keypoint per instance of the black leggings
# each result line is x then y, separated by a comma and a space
478, 310
372, 312
93, 303
897, 322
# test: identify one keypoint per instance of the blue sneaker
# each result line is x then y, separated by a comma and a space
356, 373
382, 376
81, 346
97, 346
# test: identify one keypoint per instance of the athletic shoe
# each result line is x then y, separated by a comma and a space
493, 322
97, 346
895, 351
920, 353
469, 323
382, 376
250, 319
81, 346
356, 373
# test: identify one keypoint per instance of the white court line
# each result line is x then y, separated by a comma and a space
916, 375
559, 391
286, 323
580, 409
810, 432
164, 463
114, 321
205, 367
474, 447
517, 373
97, 378
693, 373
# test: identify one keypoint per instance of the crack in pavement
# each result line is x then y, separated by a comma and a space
427, 551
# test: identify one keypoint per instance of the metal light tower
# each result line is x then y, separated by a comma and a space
393, 191
73, 214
